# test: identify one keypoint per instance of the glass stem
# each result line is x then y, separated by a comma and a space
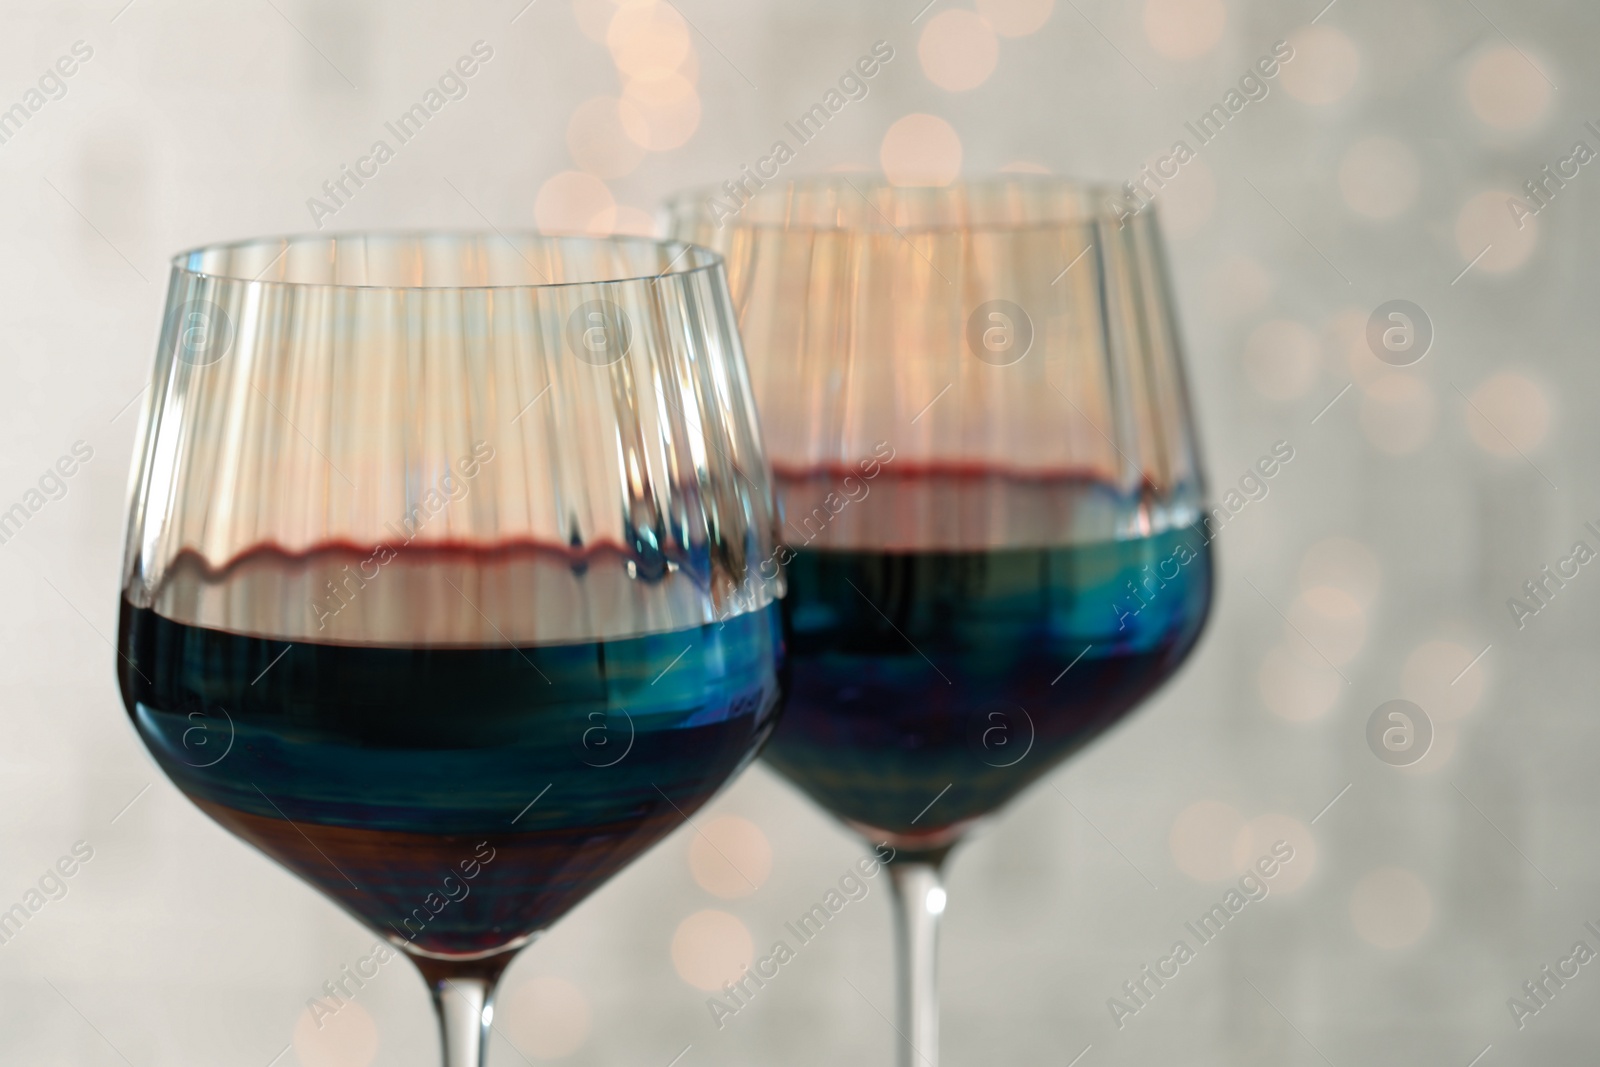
919, 901
463, 999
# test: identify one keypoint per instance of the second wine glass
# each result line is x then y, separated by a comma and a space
977, 417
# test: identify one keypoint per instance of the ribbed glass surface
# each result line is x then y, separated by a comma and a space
1004, 339
449, 438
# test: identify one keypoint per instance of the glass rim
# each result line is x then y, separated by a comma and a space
1093, 197
702, 259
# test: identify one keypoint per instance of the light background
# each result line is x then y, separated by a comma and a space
1379, 565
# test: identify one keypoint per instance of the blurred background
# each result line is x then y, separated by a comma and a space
1379, 164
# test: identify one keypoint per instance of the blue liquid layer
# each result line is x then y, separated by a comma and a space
930, 688
399, 780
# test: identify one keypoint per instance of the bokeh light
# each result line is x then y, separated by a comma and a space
958, 50
1446, 739
1436, 679
921, 149
660, 112
635, 222
648, 38
1344, 338
1391, 908
1379, 177
1509, 415
574, 202
1016, 18
659, 89
545, 1017
1202, 840
730, 857
1297, 687
1505, 91
711, 948
1343, 564
1485, 227
346, 1038
1184, 29
689, 68
1398, 413
1325, 66
1282, 359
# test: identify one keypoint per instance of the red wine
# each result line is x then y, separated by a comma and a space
456, 798
931, 685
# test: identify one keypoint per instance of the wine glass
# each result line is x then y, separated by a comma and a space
442, 580
991, 499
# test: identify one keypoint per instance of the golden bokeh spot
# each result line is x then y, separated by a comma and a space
711, 948
1509, 415
648, 37
1391, 908
1344, 338
660, 113
659, 88
574, 202
1325, 66
1297, 687
730, 857
920, 149
1505, 90
635, 221
1433, 679
958, 50
1016, 18
1184, 29
1487, 228
1446, 739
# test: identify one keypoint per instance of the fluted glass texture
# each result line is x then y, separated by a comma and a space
1018, 328
444, 582
556, 400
